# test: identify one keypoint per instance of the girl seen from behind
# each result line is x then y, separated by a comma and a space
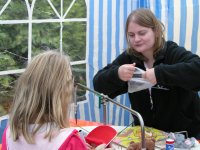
39, 117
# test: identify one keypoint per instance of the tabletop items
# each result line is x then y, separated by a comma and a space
134, 134
180, 141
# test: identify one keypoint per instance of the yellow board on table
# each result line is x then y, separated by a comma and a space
134, 134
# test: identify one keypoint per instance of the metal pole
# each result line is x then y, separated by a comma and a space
104, 111
126, 108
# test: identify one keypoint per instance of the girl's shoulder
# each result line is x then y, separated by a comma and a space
73, 142
60, 138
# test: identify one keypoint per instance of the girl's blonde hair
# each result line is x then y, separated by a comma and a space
43, 94
144, 17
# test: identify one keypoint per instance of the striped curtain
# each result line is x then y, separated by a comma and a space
106, 40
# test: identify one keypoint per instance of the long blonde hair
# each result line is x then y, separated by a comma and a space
144, 17
43, 94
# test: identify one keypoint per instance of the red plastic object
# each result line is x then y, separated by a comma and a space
101, 135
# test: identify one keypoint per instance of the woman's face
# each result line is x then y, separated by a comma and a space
141, 38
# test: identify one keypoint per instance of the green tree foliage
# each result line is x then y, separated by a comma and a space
45, 35
16, 10
78, 38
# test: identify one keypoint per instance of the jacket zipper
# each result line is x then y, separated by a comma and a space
152, 105
151, 101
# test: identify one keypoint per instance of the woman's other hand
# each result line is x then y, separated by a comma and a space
149, 75
125, 72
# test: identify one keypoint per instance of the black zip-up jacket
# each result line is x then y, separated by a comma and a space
176, 103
